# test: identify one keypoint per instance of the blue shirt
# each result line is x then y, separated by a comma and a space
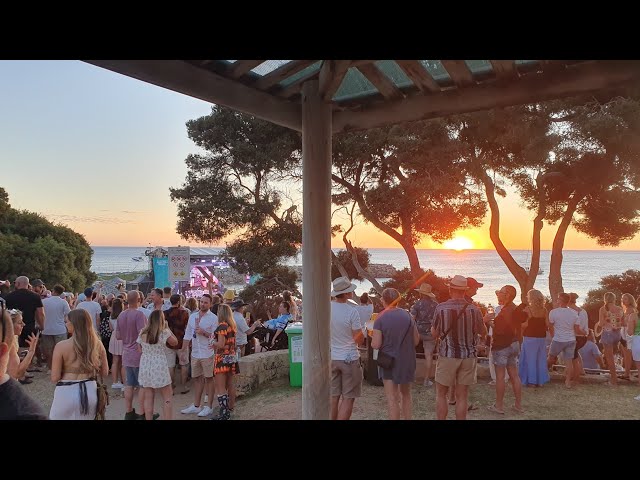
589, 353
278, 323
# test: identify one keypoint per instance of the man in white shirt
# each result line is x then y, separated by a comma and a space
243, 328
166, 298
202, 324
157, 301
55, 310
564, 326
346, 335
94, 308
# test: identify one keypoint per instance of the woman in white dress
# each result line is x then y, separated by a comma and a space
115, 347
154, 369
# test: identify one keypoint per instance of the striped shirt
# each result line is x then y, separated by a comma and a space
460, 341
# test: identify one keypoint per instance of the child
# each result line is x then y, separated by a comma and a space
154, 369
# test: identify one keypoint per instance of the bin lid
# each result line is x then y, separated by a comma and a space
295, 327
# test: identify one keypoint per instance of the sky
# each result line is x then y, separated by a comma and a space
98, 151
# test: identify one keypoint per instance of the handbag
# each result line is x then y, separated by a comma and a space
387, 361
103, 398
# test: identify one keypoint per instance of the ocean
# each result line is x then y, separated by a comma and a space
582, 269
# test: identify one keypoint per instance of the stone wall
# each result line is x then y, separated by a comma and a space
259, 368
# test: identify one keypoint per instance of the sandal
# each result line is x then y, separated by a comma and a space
452, 403
492, 408
25, 381
472, 406
186, 390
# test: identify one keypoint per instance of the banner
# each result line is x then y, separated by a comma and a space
161, 272
179, 264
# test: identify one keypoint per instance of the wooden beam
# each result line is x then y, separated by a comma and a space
459, 72
382, 83
280, 73
419, 75
240, 67
316, 253
188, 79
331, 75
504, 68
539, 87
296, 87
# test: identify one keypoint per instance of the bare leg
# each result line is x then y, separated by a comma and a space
167, 399
428, 361
500, 387
183, 376
345, 409
149, 396
115, 368
334, 407
514, 377
627, 361
199, 387
128, 398
442, 407
141, 400
406, 401
462, 396
231, 390
608, 355
211, 390
568, 373
452, 394
393, 401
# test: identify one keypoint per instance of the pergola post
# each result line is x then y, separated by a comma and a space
316, 252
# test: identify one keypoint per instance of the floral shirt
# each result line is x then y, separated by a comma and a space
423, 311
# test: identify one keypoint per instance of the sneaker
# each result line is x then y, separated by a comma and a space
117, 385
206, 411
492, 383
427, 382
132, 415
191, 409
141, 416
637, 398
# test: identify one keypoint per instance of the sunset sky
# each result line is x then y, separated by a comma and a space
98, 151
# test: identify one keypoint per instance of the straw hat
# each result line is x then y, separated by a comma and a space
458, 283
425, 289
229, 294
342, 285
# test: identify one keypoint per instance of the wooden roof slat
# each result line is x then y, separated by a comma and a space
419, 75
459, 72
383, 84
504, 68
240, 67
295, 87
280, 73
536, 87
331, 74
183, 77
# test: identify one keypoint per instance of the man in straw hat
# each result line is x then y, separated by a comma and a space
457, 323
422, 312
346, 335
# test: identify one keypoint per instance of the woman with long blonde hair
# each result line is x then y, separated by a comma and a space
154, 369
610, 321
632, 326
223, 341
533, 359
76, 363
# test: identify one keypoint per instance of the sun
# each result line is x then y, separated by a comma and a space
458, 244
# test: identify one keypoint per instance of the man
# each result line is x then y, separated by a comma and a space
30, 304
242, 328
591, 356
202, 324
15, 404
564, 326
128, 327
91, 306
422, 312
492, 368
581, 338
457, 323
55, 330
39, 288
505, 347
157, 300
346, 335
166, 298
177, 319
145, 311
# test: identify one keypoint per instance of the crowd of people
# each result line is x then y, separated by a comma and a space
523, 342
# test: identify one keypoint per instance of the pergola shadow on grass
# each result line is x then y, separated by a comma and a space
323, 97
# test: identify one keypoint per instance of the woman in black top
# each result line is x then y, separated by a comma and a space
533, 359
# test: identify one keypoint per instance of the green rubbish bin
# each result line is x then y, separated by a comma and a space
294, 332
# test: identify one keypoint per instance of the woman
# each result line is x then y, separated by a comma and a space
533, 358
365, 310
223, 341
632, 326
610, 321
154, 369
191, 305
115, 346
395, 334
293, 308
76, 362
19, 367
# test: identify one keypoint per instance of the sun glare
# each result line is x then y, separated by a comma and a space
458, 244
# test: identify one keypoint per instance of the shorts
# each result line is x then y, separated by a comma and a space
48, 343
429, 344
635, 347
506, 357
610, 337
182, 354
566, 348
462, 371
202, 366
132, 376
346, 378
581, 341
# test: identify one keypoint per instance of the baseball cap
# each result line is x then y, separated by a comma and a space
473, 283
37, 283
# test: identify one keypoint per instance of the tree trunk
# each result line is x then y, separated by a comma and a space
336, 262
412, 255
534, 266
364, 273
555, 267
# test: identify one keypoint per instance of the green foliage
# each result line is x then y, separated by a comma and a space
232, 188
627, 282
266, 293
344, 257
31, 245
404, 282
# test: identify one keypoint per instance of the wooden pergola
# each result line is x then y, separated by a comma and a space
321, 97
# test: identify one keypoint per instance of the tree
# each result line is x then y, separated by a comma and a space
406, 284
235, 187
408, 182
344, 258
626, 282
266, 293
31, 245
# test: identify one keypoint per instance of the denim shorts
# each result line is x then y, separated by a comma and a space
610, 337
506, 357
566, 348
132, 376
